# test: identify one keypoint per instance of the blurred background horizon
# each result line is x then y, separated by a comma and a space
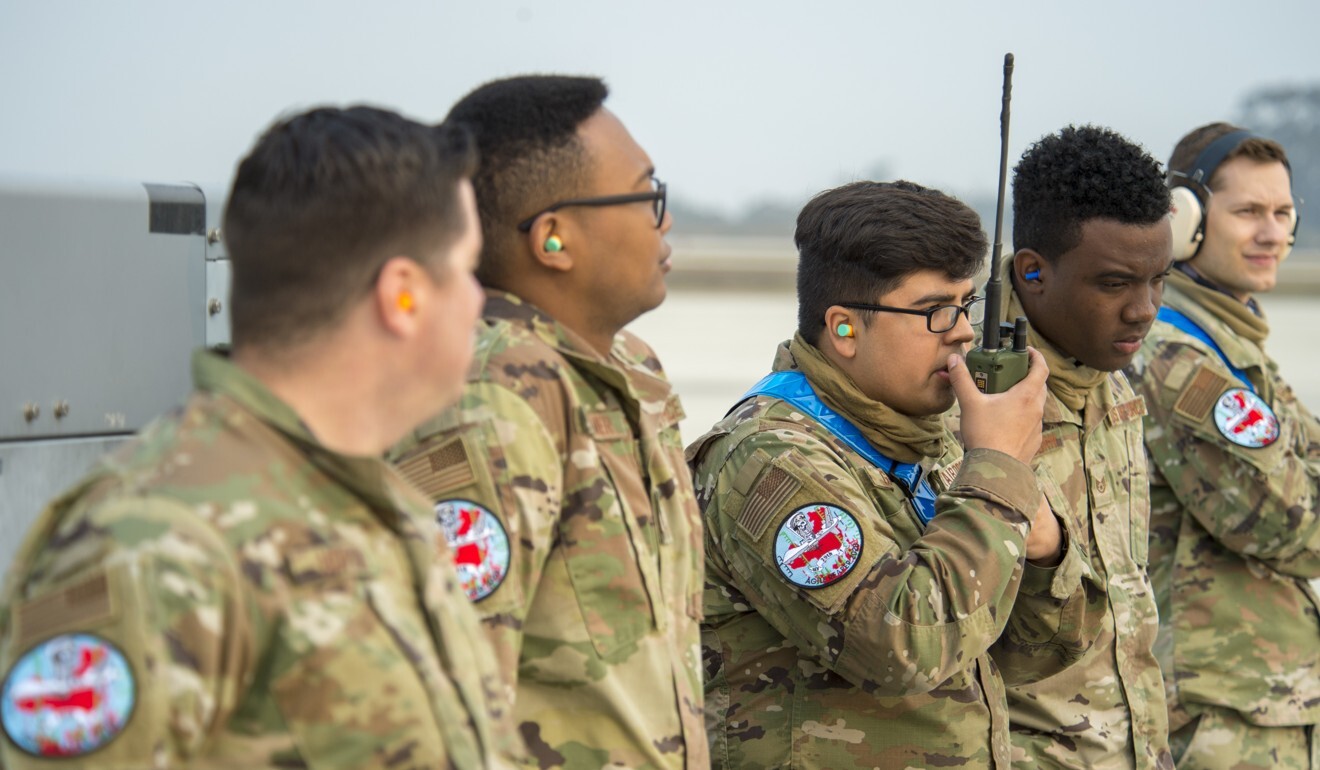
748, 109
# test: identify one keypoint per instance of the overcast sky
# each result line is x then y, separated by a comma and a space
735, 101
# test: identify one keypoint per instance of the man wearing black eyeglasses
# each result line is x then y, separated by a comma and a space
860, 566
559, 480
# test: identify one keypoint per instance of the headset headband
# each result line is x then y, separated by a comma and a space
1209, 159
1207, 162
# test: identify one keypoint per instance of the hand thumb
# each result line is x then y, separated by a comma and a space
960, 378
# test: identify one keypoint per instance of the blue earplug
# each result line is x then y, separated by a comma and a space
1032, 275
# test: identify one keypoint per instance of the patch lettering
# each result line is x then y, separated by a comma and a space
1245, 419
817, 545
480, 545
950, 472
67, 697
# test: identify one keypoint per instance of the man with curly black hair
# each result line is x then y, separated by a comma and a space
1092, 249
559, 480
1235, 475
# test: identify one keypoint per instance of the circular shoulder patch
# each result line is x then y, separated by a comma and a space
1245, 419
68, 696
479, 543
817, 545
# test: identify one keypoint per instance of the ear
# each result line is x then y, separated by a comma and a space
846, 347
402, 289
1030, 261
543, 228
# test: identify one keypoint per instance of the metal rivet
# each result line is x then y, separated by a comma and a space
213, 307
213, 236
31, 411
61, 409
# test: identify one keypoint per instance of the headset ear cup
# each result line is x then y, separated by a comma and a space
1185, 218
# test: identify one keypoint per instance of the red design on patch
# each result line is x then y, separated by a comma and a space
1246, 420
822, 545
818, 544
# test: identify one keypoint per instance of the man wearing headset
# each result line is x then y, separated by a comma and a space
1235, 471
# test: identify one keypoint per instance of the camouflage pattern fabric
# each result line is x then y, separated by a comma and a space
277, 604
594, 610
886, 664
1220, 739
1107, 710
1235, 531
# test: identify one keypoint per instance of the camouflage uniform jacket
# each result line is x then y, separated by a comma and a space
1235, 530
1107, 710
560, 479
273, 604
885, 664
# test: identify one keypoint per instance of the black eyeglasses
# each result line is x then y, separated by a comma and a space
657, 195
939, 319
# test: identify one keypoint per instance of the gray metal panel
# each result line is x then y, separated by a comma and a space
97, 313
217, 303
33, 472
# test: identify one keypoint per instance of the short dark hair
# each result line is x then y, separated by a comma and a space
1190, 147
526, 131
1079, 174
321, 202
859, 241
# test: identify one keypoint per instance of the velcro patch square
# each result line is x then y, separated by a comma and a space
1048, 443
86, 603
777, 487
1128, 410
949, 472
441, 470
1199, 397
605, 425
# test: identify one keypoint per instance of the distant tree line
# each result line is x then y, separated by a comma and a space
1289, 114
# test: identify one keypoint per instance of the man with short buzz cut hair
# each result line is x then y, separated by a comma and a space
860, 568
247, 584
1235, 471
1091, 239
559, 478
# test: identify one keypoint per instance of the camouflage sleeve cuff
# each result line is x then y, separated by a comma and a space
1003, 478
1059, 581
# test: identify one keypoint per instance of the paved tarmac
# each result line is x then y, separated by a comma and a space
715, 345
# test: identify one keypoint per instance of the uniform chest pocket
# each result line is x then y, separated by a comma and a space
605, 534
891, 502
353, 670
1069, 502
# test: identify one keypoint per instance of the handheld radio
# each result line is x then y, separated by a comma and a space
994, 367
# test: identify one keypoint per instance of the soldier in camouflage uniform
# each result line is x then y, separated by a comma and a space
247, 584
1091, 233
859, 565
1235, 472
559, 479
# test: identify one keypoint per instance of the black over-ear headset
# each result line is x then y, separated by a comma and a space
1190, 192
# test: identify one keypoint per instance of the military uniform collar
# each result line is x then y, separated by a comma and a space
1186, 269
1100, 402
630, 367
369, 478
1241, 352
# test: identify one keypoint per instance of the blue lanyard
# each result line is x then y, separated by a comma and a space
1170, 316
793, 388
